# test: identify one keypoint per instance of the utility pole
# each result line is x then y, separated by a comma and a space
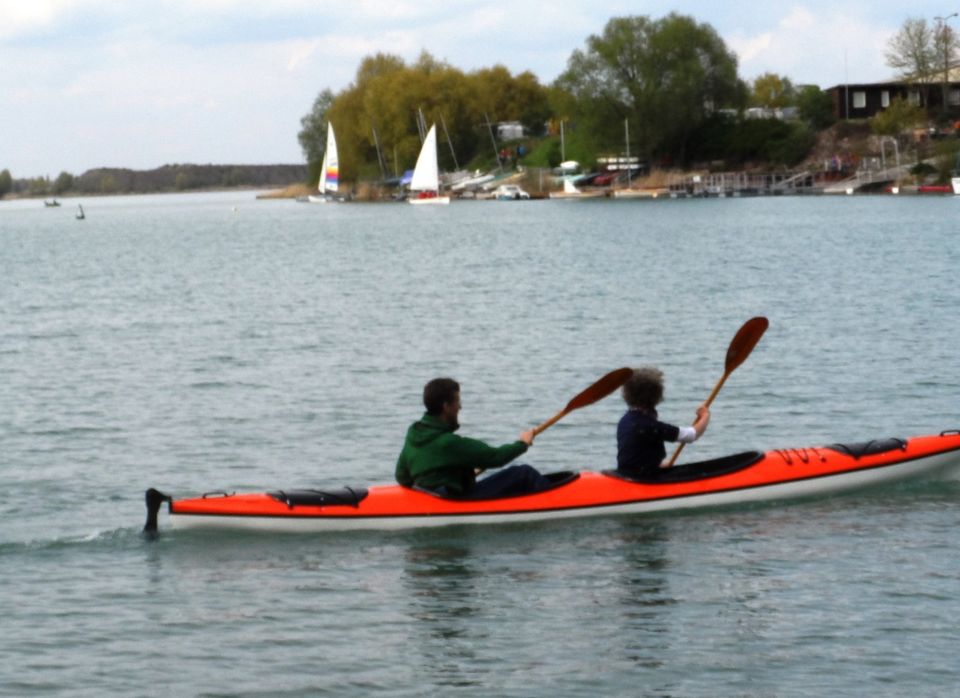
626, 131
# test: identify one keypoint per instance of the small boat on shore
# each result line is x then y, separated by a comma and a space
572, 192
742, 478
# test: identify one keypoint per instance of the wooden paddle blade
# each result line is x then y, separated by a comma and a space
744, 341
597, 391
600, 389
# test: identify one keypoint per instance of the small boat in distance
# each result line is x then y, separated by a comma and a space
51, 204
570, 191
426, 174
329, 170
510, 192
80, 214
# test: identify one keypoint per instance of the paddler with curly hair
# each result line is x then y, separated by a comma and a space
435, 458
641, 435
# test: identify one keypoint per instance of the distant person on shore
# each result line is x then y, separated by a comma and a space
436, 459
640, 433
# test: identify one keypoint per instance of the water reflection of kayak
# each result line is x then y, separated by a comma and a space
751, 476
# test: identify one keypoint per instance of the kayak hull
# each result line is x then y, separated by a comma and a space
774, 475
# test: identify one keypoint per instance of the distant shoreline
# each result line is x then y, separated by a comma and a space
168, 179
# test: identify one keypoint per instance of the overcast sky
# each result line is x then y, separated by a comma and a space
93, 83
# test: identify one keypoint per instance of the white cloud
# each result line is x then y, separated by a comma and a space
823, 48
19, 17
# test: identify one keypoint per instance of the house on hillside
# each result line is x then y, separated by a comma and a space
510, 130
864, 100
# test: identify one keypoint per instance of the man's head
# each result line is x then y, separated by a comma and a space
441, 397
644, 388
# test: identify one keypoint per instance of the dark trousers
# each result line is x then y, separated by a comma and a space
513, 479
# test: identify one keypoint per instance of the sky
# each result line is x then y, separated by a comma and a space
103, 83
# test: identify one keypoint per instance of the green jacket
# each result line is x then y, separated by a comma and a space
433, 456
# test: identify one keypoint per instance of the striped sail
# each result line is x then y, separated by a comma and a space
330, 170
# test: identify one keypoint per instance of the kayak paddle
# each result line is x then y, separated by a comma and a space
738, 351
595, 392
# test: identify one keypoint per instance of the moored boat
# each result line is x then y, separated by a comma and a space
426, 173
751, 476
329, 171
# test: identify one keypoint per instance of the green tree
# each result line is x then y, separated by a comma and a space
815, 107
900, 116
313, 131
667, 76
6, 183
772, 91
38, 186
63, 183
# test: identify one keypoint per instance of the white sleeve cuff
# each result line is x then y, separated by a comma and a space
687, 435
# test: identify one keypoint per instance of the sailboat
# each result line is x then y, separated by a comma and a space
570, 191
426, 174
329, 170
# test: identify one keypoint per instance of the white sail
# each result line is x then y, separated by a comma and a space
426, 175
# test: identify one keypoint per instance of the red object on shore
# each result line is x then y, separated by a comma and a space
935, 189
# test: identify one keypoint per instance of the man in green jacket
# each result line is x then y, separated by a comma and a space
437, 459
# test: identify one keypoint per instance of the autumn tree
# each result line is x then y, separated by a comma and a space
382, 106
772, 91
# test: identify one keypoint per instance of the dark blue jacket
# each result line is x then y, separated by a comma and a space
640, 438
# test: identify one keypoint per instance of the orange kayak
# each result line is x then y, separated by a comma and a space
751, 476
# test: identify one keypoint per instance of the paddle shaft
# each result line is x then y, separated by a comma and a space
550, 422
716, 389
740, 347
599, 390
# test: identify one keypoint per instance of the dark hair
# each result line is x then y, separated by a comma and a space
644, 388
438, 392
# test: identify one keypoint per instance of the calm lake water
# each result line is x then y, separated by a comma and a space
202, 342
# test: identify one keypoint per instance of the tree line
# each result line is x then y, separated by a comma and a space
169, 178
666, 89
